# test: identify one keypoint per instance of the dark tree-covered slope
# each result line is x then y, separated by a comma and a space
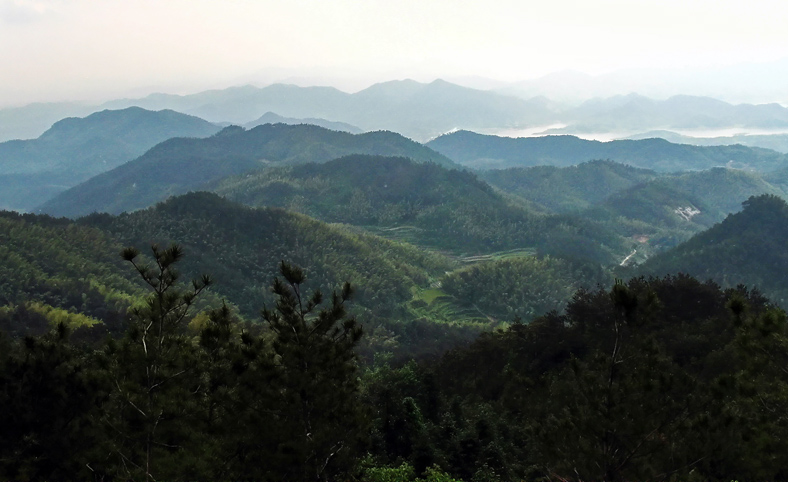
580, 396
488, 152
423, 203
179, 165
747, 247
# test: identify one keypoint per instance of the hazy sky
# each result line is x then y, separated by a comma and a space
93, 49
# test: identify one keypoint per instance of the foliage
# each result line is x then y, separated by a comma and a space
154, 373
519, 288
319, 413
63, 265
49, 392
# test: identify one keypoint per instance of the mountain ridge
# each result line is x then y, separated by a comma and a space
179, 165
486, 152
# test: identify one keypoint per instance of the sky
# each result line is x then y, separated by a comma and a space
56, 50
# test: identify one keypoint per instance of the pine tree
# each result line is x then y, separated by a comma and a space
155, 374
320, 419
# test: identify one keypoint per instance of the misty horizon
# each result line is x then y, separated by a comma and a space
94, 52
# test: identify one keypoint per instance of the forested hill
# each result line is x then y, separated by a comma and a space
241, 248
493, 152
55, 269
425, 204
568, 189
179, 165
747, 247
690, 201
75, 149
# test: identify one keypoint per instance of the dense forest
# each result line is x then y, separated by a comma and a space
653, 379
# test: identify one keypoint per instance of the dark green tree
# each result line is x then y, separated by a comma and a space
762, 433
320, 418
48, 399
155, 375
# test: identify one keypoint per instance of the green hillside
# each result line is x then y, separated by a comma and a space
424, 204
57, 264
241, 248
523, 287
567, 189
671, 208
179, 165
746, 248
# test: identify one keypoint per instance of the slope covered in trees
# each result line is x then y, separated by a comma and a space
53, 269
492, 152
656, 211
424, 204
179, 165
580, 396
747, 247
61, 270
567, 189
241, 246
520, 288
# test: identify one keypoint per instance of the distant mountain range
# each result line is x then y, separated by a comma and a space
416, 110
488, 152
636, 112
75, 149
179, 165
424, 111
